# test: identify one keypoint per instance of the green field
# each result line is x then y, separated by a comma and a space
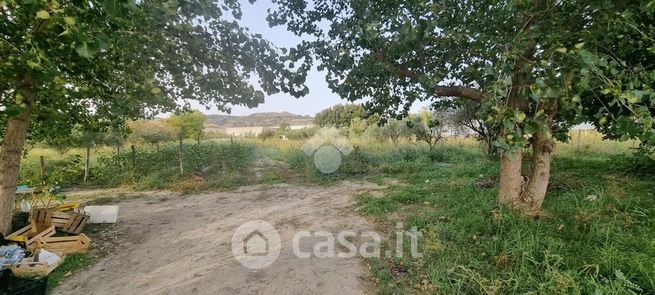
595, 234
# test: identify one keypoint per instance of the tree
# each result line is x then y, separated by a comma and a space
537, 64
266, 134
153, 132
339, 115
87, 138
394, 129
68, 63
188, 124
115, 137
475, 116
282, 128
427, 127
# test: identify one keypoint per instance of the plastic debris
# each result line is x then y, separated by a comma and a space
11, 254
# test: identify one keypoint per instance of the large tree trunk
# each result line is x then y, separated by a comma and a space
10, 156
511, 179
537, 185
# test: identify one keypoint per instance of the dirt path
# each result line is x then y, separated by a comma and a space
174, 244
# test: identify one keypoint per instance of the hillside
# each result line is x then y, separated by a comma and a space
258, 119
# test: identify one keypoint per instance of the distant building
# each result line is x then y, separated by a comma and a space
243, 131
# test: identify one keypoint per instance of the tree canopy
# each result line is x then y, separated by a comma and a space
542, 66
101, 62
340, 115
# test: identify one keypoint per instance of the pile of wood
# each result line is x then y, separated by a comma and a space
51, 230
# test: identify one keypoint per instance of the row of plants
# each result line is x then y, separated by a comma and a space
145, 168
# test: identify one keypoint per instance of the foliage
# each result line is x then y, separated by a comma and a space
123, 60
541, 66
283, 128
150, 168
151, 131
475, 116
266, 134
187, 124
394, 129
302, 133
428, 126
420, 51
341, 115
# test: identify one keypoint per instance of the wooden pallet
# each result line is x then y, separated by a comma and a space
75, 223
64, 245
28, 235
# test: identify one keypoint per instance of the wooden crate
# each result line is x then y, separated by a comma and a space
75, 223
40, 215
58, 219
64, 245
29, 269
68, 222
28, 235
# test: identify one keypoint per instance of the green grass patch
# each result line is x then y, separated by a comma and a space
596, 234
70, 265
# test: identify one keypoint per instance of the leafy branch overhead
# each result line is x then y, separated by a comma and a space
128, 59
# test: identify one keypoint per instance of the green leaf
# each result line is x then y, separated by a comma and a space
519, 116
155, 90
579, 45
69, 20
531, 128
561, 50
42, 14
85, 50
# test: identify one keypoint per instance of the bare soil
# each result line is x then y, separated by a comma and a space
170, 243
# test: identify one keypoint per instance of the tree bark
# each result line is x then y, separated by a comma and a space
537, 185
511, 179
10, 156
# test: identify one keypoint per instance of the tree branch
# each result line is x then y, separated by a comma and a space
451, 91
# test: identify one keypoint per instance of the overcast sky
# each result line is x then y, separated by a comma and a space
319, 97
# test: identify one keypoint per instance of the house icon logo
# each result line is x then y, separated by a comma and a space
256, 244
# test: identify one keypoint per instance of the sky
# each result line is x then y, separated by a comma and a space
319, 97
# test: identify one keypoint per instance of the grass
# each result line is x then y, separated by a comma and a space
71, 264
596, 234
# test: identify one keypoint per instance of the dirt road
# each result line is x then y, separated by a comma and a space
173, 244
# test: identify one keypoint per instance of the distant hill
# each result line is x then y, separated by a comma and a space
258, 119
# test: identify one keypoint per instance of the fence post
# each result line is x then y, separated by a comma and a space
181, 157
577, 147
87, 163
42, 159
